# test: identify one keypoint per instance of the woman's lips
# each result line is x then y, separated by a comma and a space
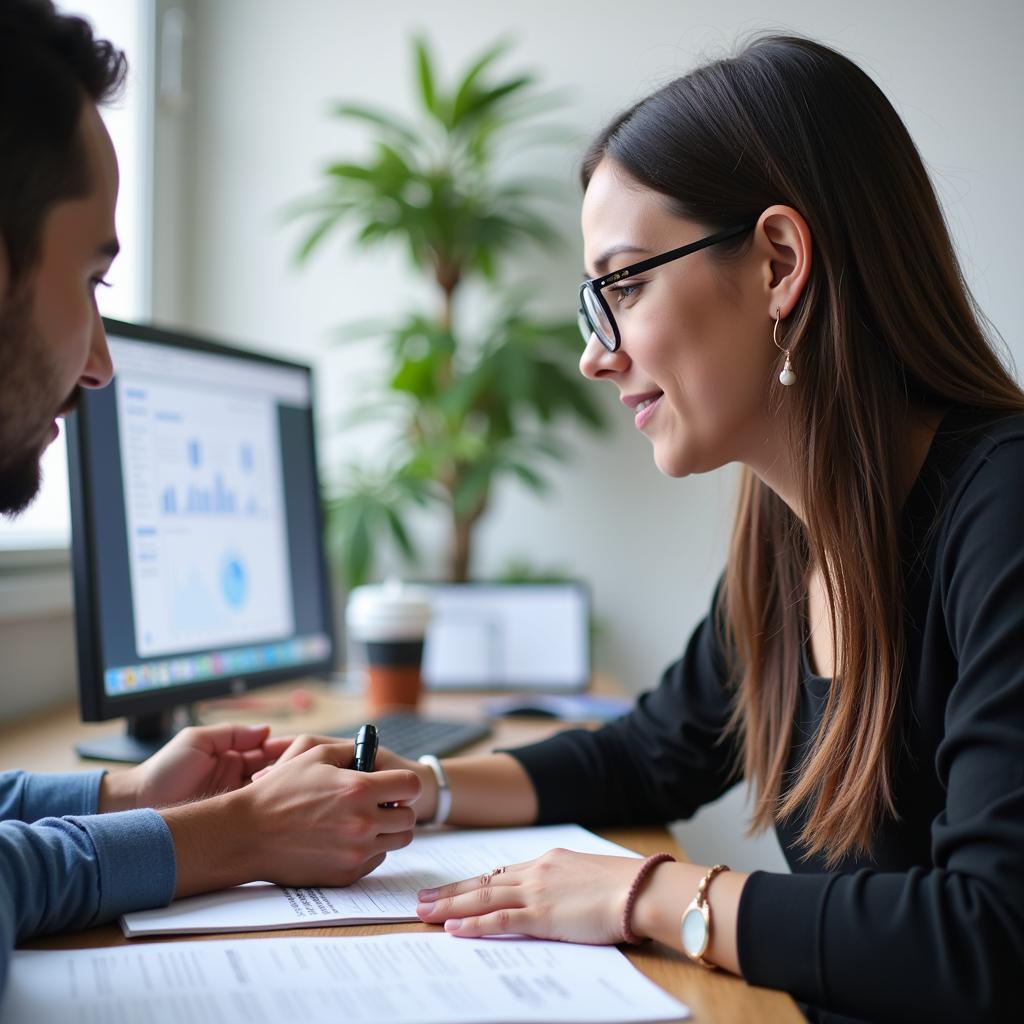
646, 411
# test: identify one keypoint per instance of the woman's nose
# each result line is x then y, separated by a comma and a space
597, 362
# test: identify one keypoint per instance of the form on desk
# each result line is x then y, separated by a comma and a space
383, 979
387, 895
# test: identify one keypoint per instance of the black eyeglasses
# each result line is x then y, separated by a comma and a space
595, 315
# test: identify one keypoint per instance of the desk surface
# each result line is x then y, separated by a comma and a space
44, 743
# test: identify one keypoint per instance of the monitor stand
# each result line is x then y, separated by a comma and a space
143, 737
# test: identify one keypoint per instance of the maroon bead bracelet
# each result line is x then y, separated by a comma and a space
634, 891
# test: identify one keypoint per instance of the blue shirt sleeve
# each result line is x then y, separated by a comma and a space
66, 873
28, 796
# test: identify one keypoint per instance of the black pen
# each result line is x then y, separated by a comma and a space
366, 748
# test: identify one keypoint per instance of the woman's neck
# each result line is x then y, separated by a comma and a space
776, 467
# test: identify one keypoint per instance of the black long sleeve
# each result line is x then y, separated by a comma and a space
661, 762
930, 925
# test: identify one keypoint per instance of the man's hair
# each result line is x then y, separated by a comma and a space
50, 65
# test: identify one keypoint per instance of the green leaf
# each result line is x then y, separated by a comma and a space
352, 172
425, 75
484, 101
400, 534
317, 235
530, 477
386, 122
468, 84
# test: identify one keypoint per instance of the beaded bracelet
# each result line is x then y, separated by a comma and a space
634, 891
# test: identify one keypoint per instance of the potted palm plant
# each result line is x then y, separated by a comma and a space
466, 408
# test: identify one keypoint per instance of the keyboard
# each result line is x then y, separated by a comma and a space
411, 735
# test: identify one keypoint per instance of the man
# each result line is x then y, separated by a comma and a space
311, 821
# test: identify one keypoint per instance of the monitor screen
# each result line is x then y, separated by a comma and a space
196, 526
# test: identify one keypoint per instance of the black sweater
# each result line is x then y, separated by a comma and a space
930, 926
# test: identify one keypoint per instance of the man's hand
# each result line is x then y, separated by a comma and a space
386, 761
199, 761
311, 821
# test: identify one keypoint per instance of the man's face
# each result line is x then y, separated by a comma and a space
52, 341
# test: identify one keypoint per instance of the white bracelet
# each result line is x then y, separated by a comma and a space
444, 791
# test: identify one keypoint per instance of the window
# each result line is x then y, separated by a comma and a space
129, 24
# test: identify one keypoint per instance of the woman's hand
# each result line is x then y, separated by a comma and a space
573, 897
197, 762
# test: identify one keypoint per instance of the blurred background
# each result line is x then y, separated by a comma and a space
227, 122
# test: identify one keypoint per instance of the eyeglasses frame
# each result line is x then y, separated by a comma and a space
595, 284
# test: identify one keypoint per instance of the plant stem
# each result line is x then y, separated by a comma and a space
462, 539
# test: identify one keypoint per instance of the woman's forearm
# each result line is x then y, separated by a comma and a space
491, 789
659, 909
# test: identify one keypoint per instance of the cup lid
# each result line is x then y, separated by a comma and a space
389, 611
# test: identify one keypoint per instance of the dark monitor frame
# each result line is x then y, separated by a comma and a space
150, 713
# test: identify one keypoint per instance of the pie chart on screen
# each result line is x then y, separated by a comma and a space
234, 582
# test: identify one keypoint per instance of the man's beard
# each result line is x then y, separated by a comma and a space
27, 383
19, 485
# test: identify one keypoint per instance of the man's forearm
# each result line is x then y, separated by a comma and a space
213, 840
117, 792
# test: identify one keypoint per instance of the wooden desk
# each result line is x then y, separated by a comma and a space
44, 743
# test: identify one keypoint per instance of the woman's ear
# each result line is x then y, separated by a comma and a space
783, 235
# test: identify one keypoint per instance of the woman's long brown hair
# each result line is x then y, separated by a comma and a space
884, 327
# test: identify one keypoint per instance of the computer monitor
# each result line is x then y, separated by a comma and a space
197, 533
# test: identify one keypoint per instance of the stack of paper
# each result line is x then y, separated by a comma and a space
388, 895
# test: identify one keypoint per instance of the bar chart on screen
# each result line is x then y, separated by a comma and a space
205, 516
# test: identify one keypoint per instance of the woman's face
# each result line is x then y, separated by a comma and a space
695, 333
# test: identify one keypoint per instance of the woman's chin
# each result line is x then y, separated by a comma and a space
672, 463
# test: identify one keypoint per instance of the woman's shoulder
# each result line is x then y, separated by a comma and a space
968, 440
975, 470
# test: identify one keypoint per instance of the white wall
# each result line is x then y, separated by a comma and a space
263, 74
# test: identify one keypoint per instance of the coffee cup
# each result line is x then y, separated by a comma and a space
387, 624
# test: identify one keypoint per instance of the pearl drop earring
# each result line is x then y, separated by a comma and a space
787, 377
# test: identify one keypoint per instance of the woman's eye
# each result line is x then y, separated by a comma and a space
621, 292
96, 282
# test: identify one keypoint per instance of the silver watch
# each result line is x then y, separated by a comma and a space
444, 791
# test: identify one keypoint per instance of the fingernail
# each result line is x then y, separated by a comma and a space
427, 895
424, 908
453, 924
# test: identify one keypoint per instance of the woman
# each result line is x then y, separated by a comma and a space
793, 303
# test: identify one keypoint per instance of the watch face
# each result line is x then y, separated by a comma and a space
694, 931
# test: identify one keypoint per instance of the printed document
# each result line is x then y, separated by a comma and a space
382, 979
386, 895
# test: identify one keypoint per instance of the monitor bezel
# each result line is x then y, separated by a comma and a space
96, 704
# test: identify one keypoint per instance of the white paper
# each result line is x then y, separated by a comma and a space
387, 895
384, 979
